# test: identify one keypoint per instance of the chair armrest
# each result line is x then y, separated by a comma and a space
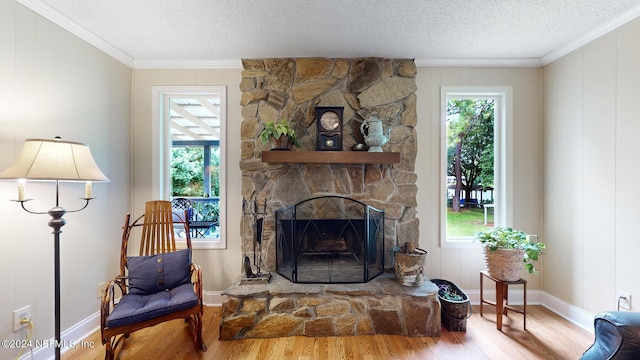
196, 280
108, 301
617, 336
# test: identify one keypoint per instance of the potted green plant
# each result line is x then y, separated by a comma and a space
279, 134
505, 249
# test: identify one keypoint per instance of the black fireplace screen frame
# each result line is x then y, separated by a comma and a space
329, 239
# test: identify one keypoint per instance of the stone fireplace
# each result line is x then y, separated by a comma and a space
291, 88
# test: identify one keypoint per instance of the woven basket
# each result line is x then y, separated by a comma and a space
504, 264
454, 313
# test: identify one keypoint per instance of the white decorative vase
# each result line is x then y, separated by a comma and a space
375, 137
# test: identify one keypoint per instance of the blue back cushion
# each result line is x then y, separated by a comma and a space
160, 272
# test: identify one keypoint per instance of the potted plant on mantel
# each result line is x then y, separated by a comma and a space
505, 249
279, 134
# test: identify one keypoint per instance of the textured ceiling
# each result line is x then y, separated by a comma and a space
206, 30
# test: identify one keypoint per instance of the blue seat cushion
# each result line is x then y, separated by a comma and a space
151, 274
135, 308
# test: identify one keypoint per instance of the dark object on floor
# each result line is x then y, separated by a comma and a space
454, 305
617, 336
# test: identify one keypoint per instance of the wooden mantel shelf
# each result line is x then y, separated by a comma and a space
331, 157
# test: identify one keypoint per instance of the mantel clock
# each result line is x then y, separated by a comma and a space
329, 124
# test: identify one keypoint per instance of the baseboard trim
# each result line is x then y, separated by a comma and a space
516, 297
565, 310
213, 298
80, 331
569, 312
75, 335
71, 338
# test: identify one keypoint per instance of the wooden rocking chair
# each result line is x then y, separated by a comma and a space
159, 285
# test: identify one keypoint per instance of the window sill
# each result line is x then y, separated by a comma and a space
460, 242
204, 244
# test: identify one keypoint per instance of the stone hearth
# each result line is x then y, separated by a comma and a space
282, 308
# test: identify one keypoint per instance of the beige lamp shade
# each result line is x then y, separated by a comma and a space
54, 160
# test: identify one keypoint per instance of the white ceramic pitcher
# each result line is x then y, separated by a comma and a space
375, 137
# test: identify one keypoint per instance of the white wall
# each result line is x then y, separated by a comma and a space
591, 198
54, 84
462, 266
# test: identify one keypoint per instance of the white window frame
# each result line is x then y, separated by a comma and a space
161, 151
503, 152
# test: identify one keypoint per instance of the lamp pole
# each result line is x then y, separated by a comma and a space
56, 223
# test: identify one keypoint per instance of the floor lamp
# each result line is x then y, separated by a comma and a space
54, 160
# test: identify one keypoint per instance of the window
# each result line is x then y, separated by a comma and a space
189, 156
476, 162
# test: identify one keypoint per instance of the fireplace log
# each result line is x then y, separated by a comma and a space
330, 245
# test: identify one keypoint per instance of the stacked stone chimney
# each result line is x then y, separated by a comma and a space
291, 88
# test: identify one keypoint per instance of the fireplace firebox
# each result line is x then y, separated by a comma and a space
330, 239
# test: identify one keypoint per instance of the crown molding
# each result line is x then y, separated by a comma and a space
477, 62
188, 64
64, 22
591, 35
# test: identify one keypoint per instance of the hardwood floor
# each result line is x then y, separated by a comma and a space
548, 336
